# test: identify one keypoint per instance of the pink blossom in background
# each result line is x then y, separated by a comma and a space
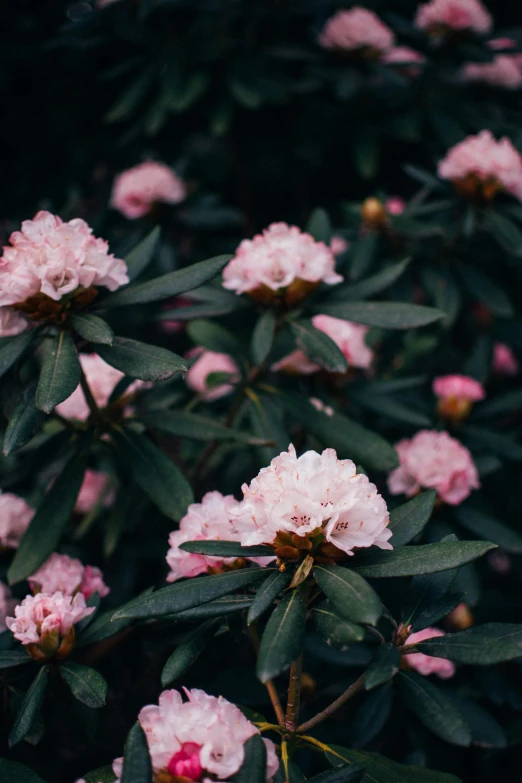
487, 159
295, 363
505, 70
7, 605
429, 664
500, 561
276, 258
54, 257
356, 29
407, 60
321, 407
102, 379
11, 322
200, 739
454, 15
15, 516
504, 360
43, 614
92, 582
94, 487
301, 494
173, 326
395, 205
456, 394
339, 245
434, 460
67, 575
136, 190
209, 362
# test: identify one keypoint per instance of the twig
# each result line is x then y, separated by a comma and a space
87, 393
333, 707
294, 694
272, 692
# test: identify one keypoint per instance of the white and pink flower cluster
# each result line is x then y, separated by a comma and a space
428, 664
46, 620
15, 516
438, 16
136, 190
67, 575
505, 70
201, 739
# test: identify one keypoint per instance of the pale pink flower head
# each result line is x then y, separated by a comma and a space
313, 493
429, 664
15, 516
281, 262
357, 30
339, 245
45, 623
480, 166
395, 205
505, 70
95, 489
434, 460
7, 605
456, 394
207, 363
407, 61
52, 257
504, 360
67, 575
201, 739
136, 190
11, 322
455, 15
102, 379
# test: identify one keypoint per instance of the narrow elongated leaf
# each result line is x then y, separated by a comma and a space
10, 658
336, 630
318, 347
213, 336
485, 731
60, 374
342, 775
385, 665
407, 521
46, 528
226, 549
102, 775
172, 284
12, 348
102, 627
426, 592
490, 528
139, 360
505, 232
504, 403
434, 709
387, 406
141, 255
175, 598
372, 715
382, 770
485, 290
13, 772
500, 444
229, 604
194, 427
25, 421
481, 645
253, 769
423, 559
319, 226
267, 592
155, 473
30, 707
362, 253
370, 286
386, 315
92, 328
263, 336
137, 766
350, 594
188, 652
86, 684
283, 637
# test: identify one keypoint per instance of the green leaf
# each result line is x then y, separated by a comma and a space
132, 96
45, 531
504, 403
102, 627
25, 421
229, 604
92, 328
408, 520
485, 290
370, 286
141, 255
188, 652
342, 775
253, 769
194, 427
155, 473
283, 637
387, 406
336, 630
13, 772
423, 559
226, 549
10, 658
267, 592
386, 315
384, 665
263, 337
506, 233
485, 731
482, 645
185, 595
434, 709
12, 348
60, 373
382, 770
350, 594
172, 284
318, 347
372, 715
362, 253
140, 360
213, 337
30, 707
319, 226
137, 766
490, 528
86, 684
102, 775
500, 444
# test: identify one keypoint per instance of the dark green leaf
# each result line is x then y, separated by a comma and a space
500, 444
13, 772
485, 290
263, 337
253, 769
423, 559
172, 284
382, 770
137, 766
318, 347
139, 360
342, 775
86, 684
407, 521
504, 403
188, 651
368, 287
132, 96
226, 549
424, 596
485, 731
92, 328
10, 658
384, 665
141, 255
505, 232
25, 421
482, 645
229, 604
319, 226
336, 630
102, 627
362, 253
283, 637
194, 427
155, 473
102, 775
488, 527
12, 348
386, 315
372, 715
350, 594
30, 707
387, 406
213, 337
267, 592
60, 373
434, 709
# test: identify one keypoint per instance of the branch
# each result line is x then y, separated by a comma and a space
334, 706
272, 692
87, 393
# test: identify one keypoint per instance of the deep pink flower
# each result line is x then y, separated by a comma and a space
15, 516
209, 362
504, 360
395, 205
356, 29
454, 15
136, 190
429, 664
186, 762
456, 394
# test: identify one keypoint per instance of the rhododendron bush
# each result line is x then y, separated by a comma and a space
260, 403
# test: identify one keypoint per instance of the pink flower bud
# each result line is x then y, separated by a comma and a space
456, 394
428, 664
504, 360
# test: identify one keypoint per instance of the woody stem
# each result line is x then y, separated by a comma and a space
294, 694
333, 707
269, 685
87, 393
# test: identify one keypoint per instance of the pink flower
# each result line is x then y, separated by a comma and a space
504, 360
395, 205
136, 190
505, 70
102, 379
278, 258
492, 164
15, 516
55, 258
456, 394
200, 739
11, 322
434, 460
295, 363
45, 620
356, 29
339, 245
500, 561
7, 605
428, 664
314, 491
320, 406
407, 61
94, 489
454, 15
209, 362
64, 574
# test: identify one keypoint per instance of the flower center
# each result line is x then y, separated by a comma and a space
185, 763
